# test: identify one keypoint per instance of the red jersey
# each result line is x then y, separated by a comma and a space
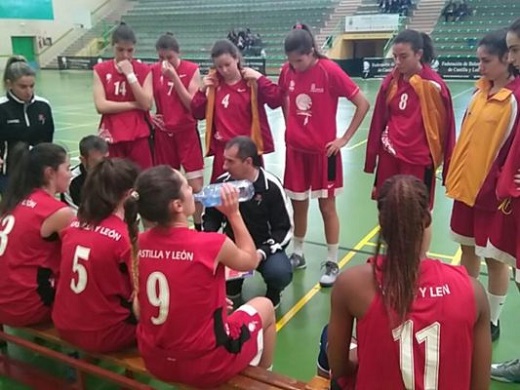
28, 262
405, 137
433, 348
176, 116
233, 115
94, 288
312, 103
181, 297
128, 125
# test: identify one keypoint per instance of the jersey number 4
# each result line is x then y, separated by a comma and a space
7, 225
431, 336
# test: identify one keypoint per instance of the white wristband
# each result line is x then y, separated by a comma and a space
132, 78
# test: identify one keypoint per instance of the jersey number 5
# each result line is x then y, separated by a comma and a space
158, 293
7, 225
431, 336
81, 253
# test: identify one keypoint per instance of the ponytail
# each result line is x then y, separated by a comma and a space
300, 40
417, 41
123, 33
15, 68
28, 171
132, 223
428, 49
403, 215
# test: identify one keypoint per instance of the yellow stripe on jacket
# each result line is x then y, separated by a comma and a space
256, 131
487, 124
433, 113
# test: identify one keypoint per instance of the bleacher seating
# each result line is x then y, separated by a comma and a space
198, 23
461, 37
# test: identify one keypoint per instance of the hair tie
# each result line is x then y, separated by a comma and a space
135, 195
298, 26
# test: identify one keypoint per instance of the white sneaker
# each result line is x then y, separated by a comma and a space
330, 275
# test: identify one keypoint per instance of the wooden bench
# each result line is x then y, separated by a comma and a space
252, 378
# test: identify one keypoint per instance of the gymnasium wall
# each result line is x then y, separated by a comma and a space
43, 20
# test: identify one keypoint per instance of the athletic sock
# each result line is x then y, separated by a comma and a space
496, 304
298, 245
332, 252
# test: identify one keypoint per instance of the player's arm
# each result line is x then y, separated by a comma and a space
143, 94
241, 255
56, 222
104, 106
481, 357
185, 95
341, 323
362, 106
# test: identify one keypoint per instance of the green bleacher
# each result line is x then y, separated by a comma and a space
461, 37
197, 24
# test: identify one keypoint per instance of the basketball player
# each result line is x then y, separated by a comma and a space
421, 324
505, 234
184, 333
413, 127
487, 131
177, 141
93, 298
232, 99
312, 85
31, 218
123, 95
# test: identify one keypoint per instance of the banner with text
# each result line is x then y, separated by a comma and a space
82, 63
373, 22
447, 67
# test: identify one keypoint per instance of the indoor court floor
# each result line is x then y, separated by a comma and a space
305, 306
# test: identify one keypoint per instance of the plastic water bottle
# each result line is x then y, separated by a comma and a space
210, 195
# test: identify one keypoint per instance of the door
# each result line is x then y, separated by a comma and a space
24, 46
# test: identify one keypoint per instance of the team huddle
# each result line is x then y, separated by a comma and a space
117, 263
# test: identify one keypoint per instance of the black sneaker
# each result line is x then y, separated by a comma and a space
495, 331
274, 296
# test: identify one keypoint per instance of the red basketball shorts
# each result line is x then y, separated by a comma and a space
138, 151
314, 172
180, 149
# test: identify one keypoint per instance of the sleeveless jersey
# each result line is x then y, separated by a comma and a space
176, 116
182, 299
312, 103
94, 287
128, 125
28, 262
432, 349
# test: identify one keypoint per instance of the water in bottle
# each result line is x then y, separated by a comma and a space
210, 195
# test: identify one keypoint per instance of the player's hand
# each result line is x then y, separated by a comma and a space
168, 70
209, 81
334, 147
229, 305
516, 179
229, 196
251, 74
126, 67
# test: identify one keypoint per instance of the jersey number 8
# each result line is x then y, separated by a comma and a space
7, 225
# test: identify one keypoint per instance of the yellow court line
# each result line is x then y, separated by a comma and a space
316, 288
456, 258
431, 254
